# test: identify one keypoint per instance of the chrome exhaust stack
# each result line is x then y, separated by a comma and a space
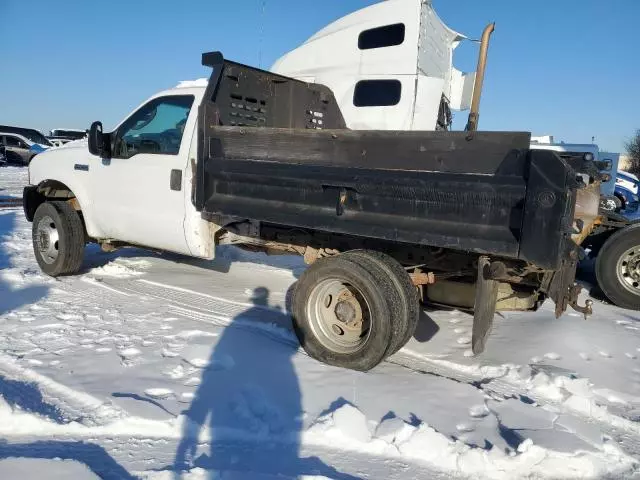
474, 113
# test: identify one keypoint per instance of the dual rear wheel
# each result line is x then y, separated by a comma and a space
355, 309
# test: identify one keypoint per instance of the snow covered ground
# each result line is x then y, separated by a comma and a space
12, 180
162, 367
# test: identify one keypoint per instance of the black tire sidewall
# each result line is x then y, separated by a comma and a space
606, 263
401, 295
372, 352
409, 290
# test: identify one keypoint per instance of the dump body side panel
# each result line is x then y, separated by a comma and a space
328, 187
482, 192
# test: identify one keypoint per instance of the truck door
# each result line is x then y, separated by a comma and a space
139, 191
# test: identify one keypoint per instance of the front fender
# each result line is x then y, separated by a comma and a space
57, 166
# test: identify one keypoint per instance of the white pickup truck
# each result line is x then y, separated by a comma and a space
341, 154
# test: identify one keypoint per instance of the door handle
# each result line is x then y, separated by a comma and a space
175, 180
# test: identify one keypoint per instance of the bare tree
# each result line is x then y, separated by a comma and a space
633, 150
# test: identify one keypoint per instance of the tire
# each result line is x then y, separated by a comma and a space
619, 203
316, 302
616, 271
58, 221
401, 295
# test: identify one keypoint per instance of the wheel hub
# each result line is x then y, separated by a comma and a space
338, 315
44, 241
348, 310
345, 312
47, 239
628, 269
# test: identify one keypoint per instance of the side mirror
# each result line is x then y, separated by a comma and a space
99, 143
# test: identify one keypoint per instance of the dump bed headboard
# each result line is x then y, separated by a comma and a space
239, 95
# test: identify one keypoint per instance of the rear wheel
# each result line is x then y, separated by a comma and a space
400, 293
340, 314
618, 268
58, 238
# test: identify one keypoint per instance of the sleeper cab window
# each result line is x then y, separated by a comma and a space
386, 36
377, 93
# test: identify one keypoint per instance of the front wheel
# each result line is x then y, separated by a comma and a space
58, 238
618, 268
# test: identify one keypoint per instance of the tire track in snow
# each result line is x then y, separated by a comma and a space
71, 405
215, 310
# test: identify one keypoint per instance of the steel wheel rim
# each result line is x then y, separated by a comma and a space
339, 316
628, 270
47, 240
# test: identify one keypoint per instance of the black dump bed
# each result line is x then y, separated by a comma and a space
276, 150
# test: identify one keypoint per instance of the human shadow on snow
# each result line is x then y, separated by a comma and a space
249, 401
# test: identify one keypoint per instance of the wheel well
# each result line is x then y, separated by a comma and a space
47, 190
55, 189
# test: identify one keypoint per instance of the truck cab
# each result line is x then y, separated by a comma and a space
142, 191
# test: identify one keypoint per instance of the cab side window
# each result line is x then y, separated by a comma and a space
156, 128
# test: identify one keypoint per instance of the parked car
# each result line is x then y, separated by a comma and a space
19, 149
3, 159
31, 133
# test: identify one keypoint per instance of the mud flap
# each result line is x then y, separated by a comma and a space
484, 307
